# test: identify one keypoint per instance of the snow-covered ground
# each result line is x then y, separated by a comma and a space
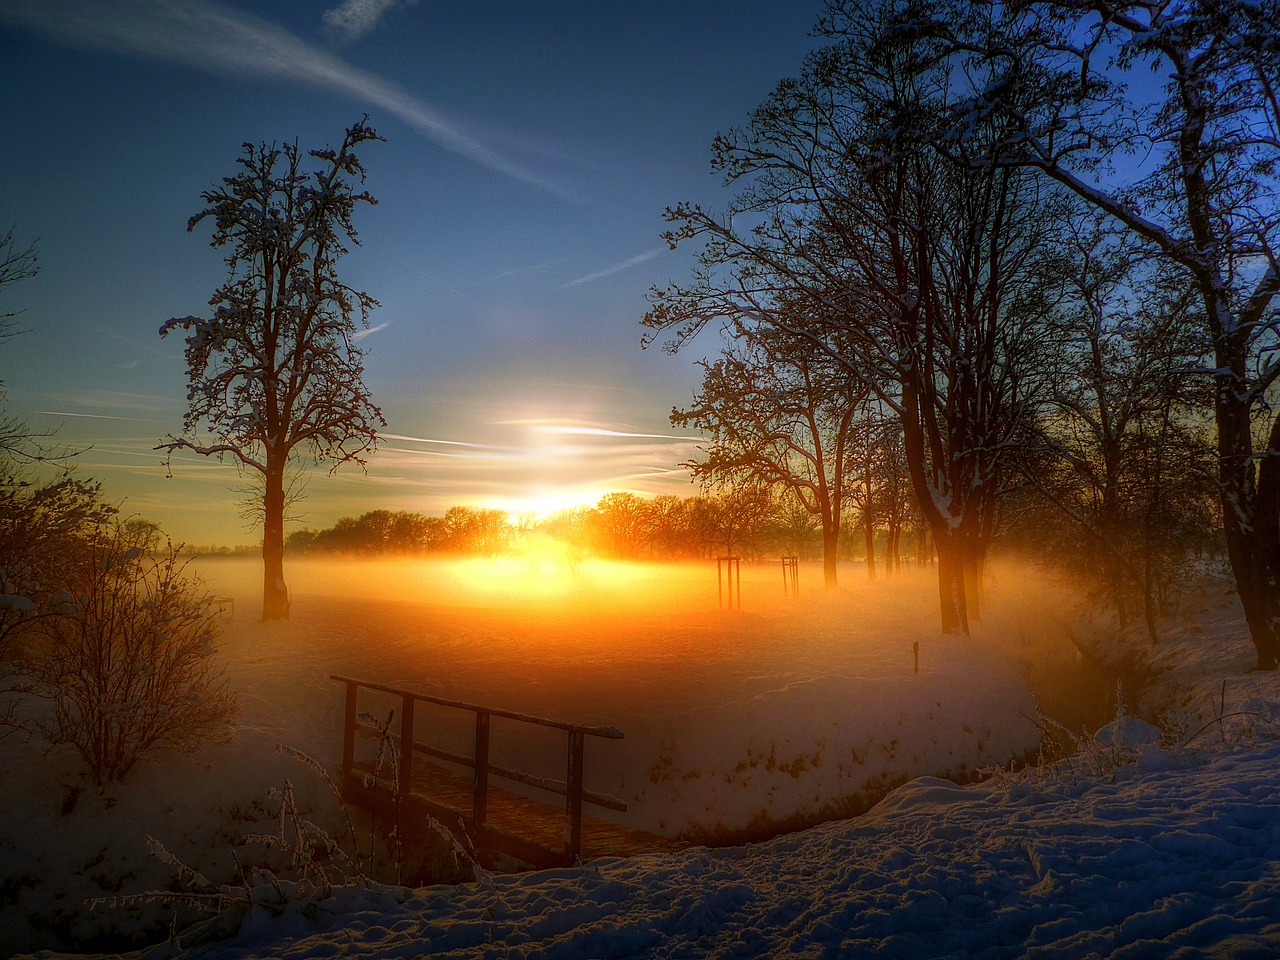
1146, 850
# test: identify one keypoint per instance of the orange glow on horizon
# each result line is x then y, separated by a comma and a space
546, 503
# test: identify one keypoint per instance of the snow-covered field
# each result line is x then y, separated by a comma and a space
771, 713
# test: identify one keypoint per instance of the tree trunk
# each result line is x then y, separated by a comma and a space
869, 534
1250, 522
972, 569
830, 548
275, 595
1266, 543
955, 618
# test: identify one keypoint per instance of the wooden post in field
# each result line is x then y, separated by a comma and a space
573, 796
791, 576
729, 573
349, 733
406, 745
480, 800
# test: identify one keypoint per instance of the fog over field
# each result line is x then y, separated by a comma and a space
733, 719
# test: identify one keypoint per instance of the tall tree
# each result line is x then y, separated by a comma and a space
779, 413
276, 370
929, 279
1072, 83
1126, 463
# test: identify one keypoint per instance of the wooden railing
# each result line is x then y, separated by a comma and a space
571, 788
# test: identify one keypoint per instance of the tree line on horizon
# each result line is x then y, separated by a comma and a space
753, 521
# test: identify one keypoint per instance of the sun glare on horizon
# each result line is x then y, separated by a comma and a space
546, 503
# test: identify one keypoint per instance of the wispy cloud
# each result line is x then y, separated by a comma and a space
96, 416
355, 18
616, 268
447, 443
601, 432
561, 428
361, 334
207, 35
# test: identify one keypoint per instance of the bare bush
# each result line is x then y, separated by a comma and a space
41, 528
130, 666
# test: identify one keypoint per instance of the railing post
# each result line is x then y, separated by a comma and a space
406, 745
573, 796
480, 804
349, 733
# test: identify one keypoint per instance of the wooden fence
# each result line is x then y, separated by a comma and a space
483, 769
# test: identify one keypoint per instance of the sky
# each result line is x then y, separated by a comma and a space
530, 151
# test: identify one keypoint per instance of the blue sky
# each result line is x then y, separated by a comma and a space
530, 151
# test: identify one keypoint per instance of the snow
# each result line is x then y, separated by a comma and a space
1137, 847
1183, 859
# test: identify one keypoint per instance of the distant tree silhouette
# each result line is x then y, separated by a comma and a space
276, 372
624, 523
778, 411
669, 526
734, 519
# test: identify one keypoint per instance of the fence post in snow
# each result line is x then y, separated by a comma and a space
349, 733
480, 804
573, 796
406, 745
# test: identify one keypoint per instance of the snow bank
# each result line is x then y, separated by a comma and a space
1181, 862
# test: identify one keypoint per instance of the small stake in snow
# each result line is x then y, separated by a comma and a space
791, 576
915, 653
729, 571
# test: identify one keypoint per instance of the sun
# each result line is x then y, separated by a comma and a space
545, 503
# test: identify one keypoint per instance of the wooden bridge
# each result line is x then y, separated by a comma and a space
496, 820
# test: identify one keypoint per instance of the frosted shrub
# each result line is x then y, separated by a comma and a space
129, 664
41, 529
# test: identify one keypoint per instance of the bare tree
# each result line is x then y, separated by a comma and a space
733, 519
130, 665
778, 412
276, 370
18, 443
1126, 462
1195, 182
624, 521
17, 262
928, 279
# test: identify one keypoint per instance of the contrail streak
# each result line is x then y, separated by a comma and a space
206, 35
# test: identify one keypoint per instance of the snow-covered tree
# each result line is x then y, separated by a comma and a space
1163, 114
928, 279
275, 372
1127, 456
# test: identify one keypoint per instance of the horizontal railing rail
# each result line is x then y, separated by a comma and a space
571, 787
